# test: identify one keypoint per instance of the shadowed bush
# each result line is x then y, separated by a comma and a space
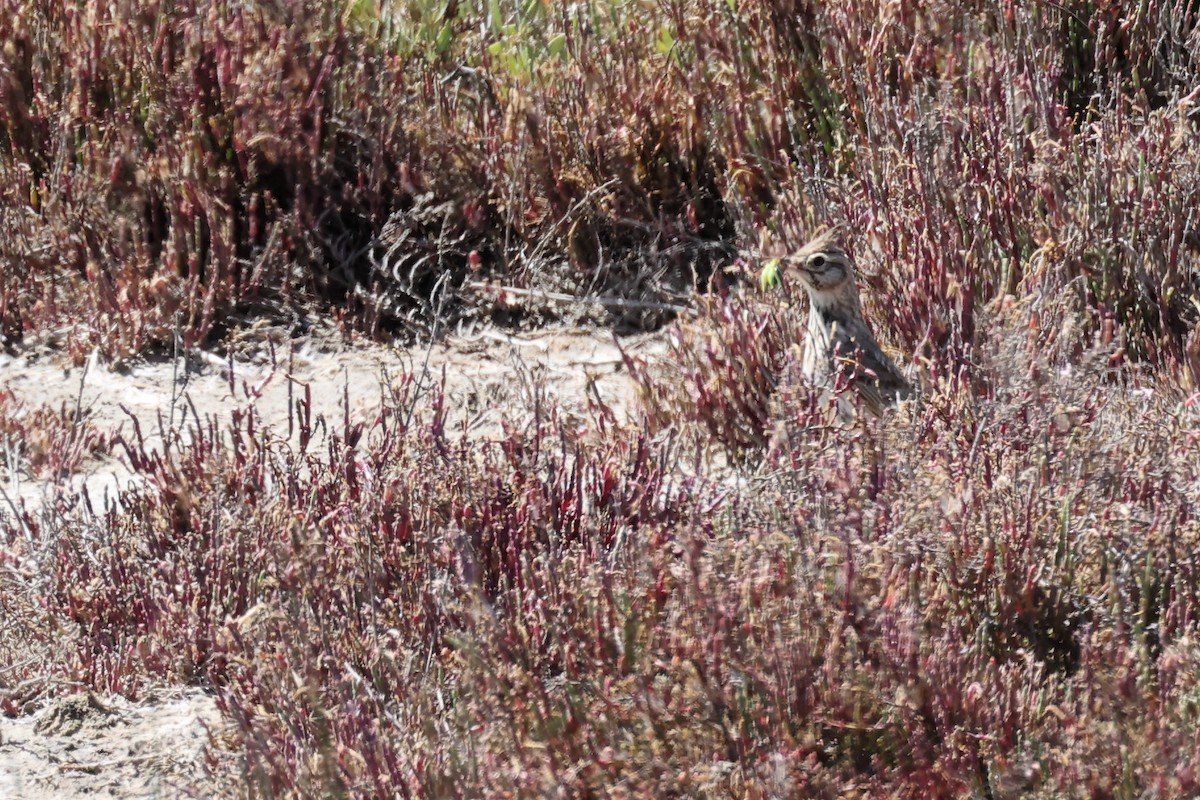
186, 166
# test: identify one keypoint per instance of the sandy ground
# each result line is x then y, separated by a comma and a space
485, 375
87, 746
105, 747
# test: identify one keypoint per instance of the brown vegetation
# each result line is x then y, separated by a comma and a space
994, 593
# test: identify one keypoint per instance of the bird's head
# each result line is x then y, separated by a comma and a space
823, 267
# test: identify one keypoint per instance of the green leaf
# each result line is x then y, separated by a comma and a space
665, 41
444, 37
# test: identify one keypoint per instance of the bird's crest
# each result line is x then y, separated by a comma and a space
827, 237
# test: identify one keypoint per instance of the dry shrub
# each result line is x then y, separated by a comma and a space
991, 592
46, 442
185, 166
724, 366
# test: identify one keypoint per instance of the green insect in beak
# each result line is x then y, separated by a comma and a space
769, 277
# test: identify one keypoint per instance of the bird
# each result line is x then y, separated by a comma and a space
839, 349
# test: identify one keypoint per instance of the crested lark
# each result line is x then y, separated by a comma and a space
839, 350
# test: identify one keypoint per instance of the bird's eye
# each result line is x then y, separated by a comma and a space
817, 261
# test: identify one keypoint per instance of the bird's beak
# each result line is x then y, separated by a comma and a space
791, 262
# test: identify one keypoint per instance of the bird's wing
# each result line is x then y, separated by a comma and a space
876, 377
